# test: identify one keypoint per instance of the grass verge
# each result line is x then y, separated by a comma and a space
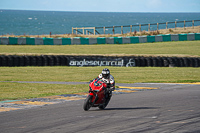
181, 48
13, 91
83, 74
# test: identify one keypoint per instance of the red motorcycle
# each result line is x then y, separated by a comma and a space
97, 96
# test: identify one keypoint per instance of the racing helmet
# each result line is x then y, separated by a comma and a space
106, 73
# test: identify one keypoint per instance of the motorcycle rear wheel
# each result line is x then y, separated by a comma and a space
87, 103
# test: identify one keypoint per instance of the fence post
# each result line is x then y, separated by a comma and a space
175, 24
83, 31
193, 24
184, 24
140, 27
104, 30
121, 29
76, 31
131, 28
166, 25
94, 31
157, 26
72, 30
113, 30
149, 27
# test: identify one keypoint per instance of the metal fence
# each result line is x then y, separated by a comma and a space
132, 28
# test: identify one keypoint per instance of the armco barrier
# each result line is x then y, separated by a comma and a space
13, 40
92, 40
21, 41
48, 41
197, 36
175, 37
134, 40
99, 40
30, 41
190, 37
142, 39
166, 38
118, 40
151, 39
183, 37
81, 61
66, 41
126, 40
158, 38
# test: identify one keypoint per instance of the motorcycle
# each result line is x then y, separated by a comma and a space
99, 95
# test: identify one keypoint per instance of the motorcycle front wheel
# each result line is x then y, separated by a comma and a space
87, 103
103, 106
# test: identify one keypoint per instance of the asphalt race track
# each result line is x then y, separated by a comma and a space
170, 108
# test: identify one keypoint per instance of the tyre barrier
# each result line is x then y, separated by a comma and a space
68, 60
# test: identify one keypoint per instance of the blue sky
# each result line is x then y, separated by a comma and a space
104, 5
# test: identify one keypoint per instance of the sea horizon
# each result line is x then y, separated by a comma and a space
37, 22
91, 11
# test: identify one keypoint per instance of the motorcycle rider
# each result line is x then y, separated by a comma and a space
109, 80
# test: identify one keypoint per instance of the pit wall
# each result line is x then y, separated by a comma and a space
99, 40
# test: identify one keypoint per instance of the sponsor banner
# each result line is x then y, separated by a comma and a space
101, 62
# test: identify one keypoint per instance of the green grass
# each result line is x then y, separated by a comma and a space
83, 74
13, 91
184, 48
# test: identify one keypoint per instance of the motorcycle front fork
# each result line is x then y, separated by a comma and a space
108, 94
